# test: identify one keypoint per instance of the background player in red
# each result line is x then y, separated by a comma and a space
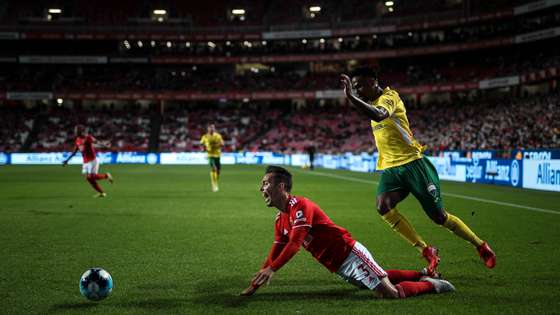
90, 168
301, 222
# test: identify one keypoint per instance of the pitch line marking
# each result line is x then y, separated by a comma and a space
501, 203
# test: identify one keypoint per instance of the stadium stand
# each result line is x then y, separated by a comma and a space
270, 78
126, 129
502, 124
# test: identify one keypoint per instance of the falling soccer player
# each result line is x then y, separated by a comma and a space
84, 143
405, 169
213, 144
300, 222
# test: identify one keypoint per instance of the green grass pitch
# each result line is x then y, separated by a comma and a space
174, 247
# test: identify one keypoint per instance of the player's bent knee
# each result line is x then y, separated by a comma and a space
382, 210
439, 217
385, 289
383, 205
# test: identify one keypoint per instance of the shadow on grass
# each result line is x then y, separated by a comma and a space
65, 213
225, 292
148, 304
154, 304
73, 306
233, 300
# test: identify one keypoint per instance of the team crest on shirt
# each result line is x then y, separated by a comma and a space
432, 190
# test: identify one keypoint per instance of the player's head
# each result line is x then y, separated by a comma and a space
80, 130
276, 183
365, 82
211, 128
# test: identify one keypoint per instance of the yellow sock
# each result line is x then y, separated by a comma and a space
401, 225
213, 178
455, 225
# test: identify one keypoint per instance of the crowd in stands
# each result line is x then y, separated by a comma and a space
125, 129
506, 124
17, 124
183, 126
330, 128
525, 123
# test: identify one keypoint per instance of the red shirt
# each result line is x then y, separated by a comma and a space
328, 243
85, 145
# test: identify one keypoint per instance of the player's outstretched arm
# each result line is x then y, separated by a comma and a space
373, 112
71, 156
274, 263
274, 252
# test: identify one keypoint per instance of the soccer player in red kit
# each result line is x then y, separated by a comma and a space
84, 143
300, 222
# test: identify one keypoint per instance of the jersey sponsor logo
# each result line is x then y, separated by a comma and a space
299, 214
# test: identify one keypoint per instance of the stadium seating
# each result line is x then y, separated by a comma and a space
17, 124
331, 127
126, 129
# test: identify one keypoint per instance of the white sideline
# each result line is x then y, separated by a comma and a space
501, 203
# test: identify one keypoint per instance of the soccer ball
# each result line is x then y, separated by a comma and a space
96, 284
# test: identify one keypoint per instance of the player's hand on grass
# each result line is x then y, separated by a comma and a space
249, 291
346, 84
263, 276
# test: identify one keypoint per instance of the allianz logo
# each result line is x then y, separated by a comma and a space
130, 158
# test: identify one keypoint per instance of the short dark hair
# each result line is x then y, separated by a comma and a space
364, 71
280, 175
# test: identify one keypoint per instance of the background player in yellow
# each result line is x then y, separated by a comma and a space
405, 169
213, 144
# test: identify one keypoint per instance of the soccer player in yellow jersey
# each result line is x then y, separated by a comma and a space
213, 144
405, 169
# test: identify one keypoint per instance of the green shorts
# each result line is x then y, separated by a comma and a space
418, 177
214, 163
